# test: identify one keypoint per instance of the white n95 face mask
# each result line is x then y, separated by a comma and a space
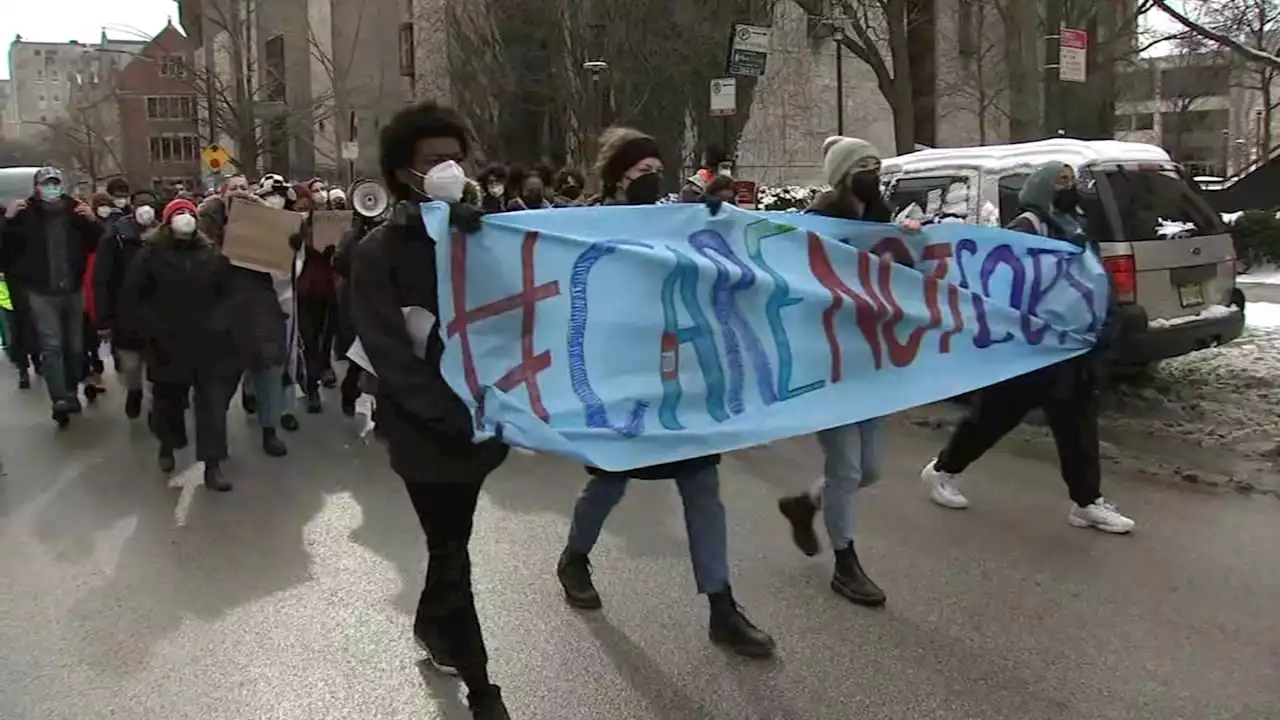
275, 201
445, 182
184, 226
145, 215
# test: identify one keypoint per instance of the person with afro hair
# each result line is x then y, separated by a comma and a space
427, 428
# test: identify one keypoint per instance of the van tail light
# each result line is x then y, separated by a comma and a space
1124, 277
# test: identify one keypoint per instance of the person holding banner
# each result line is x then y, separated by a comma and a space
1067, 391
177, 294
851, 453
314, 296
428, 429
630, 169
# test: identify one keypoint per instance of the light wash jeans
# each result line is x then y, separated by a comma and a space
852, 455
268, 389
704, 520
59, 323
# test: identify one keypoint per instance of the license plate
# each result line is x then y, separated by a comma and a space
1191, 294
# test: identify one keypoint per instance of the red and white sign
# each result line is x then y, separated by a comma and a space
746, 194
1073, 55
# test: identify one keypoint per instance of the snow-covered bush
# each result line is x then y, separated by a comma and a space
787, 198
1256, 234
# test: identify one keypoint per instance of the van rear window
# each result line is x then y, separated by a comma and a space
943, 195
1158, 203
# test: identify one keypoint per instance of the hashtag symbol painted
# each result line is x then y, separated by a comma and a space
531, 363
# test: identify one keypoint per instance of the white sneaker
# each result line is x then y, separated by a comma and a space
1101, 515
944, 488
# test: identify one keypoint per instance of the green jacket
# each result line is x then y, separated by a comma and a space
6, 302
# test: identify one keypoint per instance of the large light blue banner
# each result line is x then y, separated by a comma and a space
631, 336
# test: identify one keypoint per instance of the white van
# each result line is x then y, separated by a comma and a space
1171, 256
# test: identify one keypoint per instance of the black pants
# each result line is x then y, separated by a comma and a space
211, 394
313, 327
446, 511
21, 344
1073, 420
351, 383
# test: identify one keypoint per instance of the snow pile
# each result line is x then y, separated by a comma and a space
1226, 397
1268, 275
1167, 229
1213, 311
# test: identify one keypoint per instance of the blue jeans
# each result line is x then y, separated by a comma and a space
704, 520
59, 323
852, 455
267, 387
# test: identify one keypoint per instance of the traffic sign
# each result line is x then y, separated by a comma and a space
749, 50
1073, 55
724, 96
350, 150
216, 159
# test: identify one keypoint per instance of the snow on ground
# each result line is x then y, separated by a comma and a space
1261, 275
1225, 398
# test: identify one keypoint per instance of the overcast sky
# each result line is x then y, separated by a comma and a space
83, 20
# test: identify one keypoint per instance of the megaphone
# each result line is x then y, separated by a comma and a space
369, 199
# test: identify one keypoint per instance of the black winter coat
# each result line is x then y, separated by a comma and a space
117, 249
177, 297
24, 255
346, 334
427, 427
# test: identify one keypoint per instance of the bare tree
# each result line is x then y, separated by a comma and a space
980, 82
876, 32
1207, 29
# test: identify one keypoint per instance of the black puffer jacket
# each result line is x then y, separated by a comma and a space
177, 297
116, 252
260, 326
24, 250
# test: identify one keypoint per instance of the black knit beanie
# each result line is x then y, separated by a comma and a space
627, 155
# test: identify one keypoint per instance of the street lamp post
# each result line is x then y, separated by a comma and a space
595, 68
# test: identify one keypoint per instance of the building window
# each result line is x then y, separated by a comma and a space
36, 53
174, 148
53, 74
273, 69
171, 108
57, 97
39, 76
406, 49
1144, 121
173, 66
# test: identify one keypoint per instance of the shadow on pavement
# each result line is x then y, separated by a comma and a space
661, 691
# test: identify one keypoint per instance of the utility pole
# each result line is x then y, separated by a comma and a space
1053, 120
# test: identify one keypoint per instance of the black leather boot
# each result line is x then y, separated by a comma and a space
214, 479
732, 629
272, 445
851, 582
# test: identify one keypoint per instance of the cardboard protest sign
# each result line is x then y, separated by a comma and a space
328, 227
257, 237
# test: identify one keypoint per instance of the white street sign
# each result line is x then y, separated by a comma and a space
749, 50
350, 151
1073, 55
724, 96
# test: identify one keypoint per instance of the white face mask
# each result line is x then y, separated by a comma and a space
145, 215
275, 201
104, 212
120, 202
445, 182
184, 226
496, 189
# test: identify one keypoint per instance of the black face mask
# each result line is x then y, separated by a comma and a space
572, 192
865, 185
644, 190
1067, 199
532, 201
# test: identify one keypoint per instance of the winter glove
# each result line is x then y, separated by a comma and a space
295, 241
465, 217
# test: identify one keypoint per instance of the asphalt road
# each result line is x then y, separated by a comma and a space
289, 599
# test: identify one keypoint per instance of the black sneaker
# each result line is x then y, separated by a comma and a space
850, 581
272, 445
732, 629
432, 643
800, 511
289, 423
328, 378
314, 405
74, 406
61, 418
487, 704
133, 404
165, 460
214, 479
574, 572
24, 380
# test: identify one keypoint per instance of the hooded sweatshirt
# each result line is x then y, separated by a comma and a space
1039, 216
